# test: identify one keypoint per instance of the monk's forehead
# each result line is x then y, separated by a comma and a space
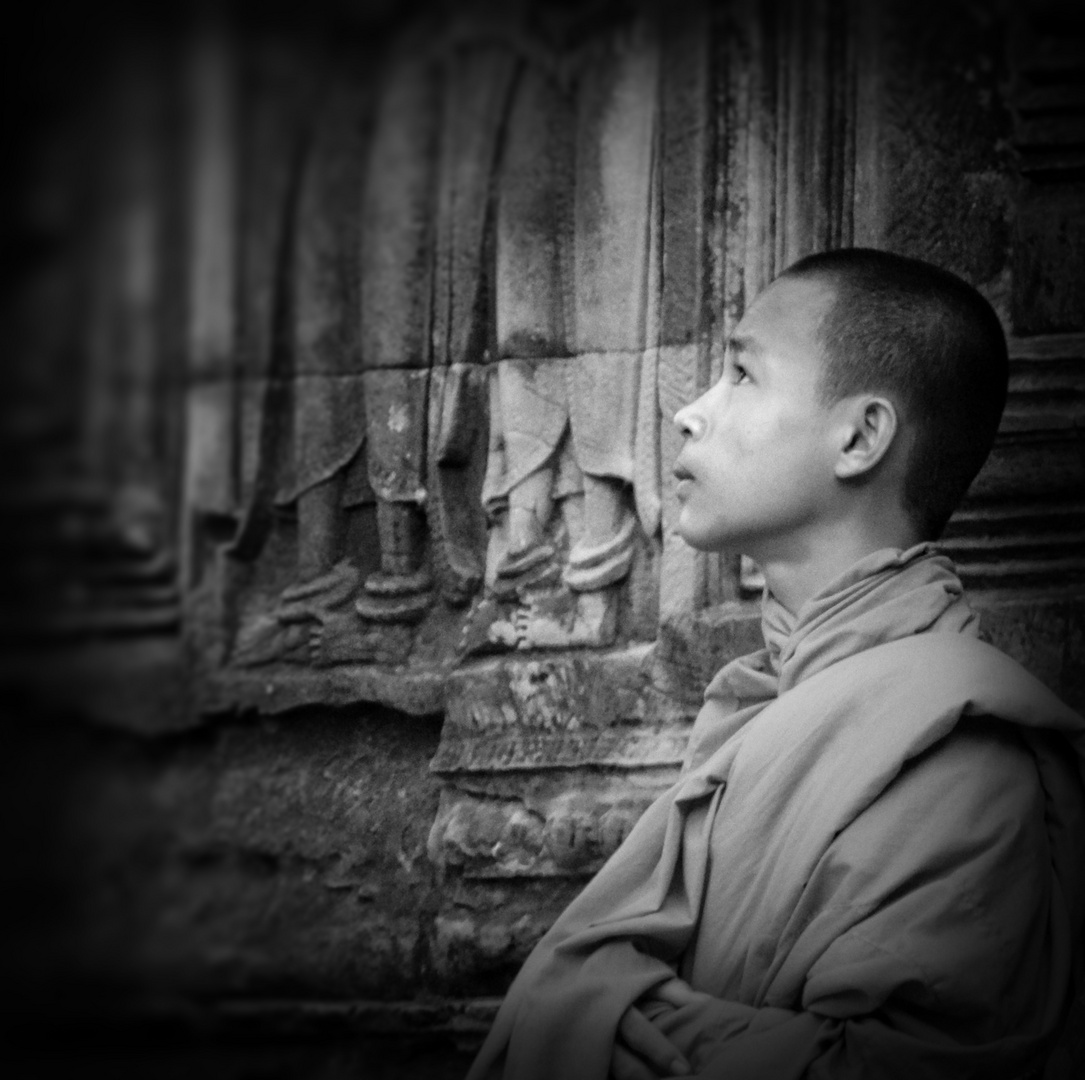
785, 319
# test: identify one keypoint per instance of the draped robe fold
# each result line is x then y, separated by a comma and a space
873, 864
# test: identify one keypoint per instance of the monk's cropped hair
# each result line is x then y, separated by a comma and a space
929, 341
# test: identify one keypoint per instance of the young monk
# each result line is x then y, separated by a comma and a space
873, 863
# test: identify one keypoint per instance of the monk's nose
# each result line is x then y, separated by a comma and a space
689, 422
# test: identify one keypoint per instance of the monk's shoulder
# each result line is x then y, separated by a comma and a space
972, 804
950, 673
984, 763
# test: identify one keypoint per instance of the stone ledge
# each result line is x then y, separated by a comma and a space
146, 685
466, 1018
416, 693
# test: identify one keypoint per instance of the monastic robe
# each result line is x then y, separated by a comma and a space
872, 866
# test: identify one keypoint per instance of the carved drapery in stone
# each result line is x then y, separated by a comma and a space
452, 411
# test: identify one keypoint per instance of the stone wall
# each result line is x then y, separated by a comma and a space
334, 661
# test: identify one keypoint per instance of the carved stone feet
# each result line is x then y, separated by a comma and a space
340, 638
595, 566
542, 618
558, 618
463, 577
284, 634
516, 580
308, 600
265, 640
396, 598
517, 562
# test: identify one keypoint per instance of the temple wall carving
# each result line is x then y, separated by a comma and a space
381, 327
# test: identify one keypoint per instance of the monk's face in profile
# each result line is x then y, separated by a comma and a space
756, 472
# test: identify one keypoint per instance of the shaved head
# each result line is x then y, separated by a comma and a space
928, 340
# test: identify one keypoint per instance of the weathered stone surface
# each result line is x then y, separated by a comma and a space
559, 712
694, 645
1046, 635
521, 749
556, 829
419, 693
264, 858
1049, 257
941, 133
1022, 521
462, 941
1045, 45
486, 928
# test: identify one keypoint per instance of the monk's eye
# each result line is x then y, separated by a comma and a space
739, 374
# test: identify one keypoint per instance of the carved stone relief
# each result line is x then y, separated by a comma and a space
440, 427
472, 279
443, 290
309, 445
576, 262
552, 760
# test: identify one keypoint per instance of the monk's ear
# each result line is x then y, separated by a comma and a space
868, 426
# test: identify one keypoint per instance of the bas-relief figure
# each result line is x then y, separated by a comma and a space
396, 243
471, 281
576, 218
432, 372
429, 372
463, 242
344, 417
310, 444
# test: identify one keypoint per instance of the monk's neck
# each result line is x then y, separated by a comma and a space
795, 573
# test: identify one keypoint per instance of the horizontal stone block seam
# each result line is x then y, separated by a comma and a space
228, 376
229, 695
1027, 349
418, 694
